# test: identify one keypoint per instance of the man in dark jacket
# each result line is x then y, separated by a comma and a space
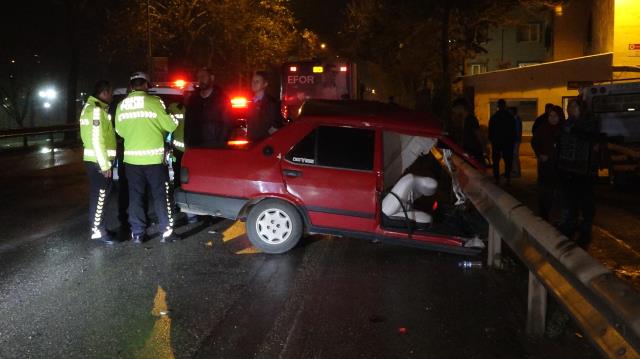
502, 135
542, 118
264, 116
472, 140
578, 161
206, 119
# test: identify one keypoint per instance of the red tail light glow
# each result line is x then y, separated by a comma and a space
237, 143
239, 102
180, 83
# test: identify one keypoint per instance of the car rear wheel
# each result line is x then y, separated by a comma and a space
274, 226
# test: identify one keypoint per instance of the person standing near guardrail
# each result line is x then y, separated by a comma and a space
473, 142
144, 122
544, 143
99, 142
578, 161
502, 135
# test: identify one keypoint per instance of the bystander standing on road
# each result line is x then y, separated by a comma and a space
207, 114
544, 143
516, 171
473, 142
502, 135
578, 161
264, 112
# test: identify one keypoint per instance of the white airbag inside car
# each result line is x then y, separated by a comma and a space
408, 189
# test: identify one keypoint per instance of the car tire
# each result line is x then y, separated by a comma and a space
274, 226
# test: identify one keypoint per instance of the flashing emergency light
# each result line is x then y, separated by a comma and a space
293, 68
239, 102
343, 69
180, 83
318, 69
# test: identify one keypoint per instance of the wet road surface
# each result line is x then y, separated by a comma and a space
211, 296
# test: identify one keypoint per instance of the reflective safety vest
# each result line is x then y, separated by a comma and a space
96, 131
143, 122
178, 110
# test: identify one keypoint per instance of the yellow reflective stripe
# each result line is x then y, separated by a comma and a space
96, 140
178, 144
179, 116
153, 152
91, 153
174, 119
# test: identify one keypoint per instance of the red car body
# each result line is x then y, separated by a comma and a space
228, 182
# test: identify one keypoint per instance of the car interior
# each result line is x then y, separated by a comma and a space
420, 195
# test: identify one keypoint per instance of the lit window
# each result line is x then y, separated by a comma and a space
478, 69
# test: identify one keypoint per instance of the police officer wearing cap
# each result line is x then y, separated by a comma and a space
143, 122
99, 142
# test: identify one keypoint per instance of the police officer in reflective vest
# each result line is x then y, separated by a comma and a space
143, 122
99, 142
177, 109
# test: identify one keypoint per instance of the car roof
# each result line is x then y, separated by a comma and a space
371, 114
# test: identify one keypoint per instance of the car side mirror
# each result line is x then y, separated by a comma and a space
267, 151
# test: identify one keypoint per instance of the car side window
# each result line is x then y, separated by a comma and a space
304, 152
345, 147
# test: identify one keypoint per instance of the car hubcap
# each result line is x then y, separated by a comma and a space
273, 226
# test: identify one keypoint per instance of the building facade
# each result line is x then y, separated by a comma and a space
576, 44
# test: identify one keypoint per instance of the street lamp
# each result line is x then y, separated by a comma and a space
48, 95
323, 46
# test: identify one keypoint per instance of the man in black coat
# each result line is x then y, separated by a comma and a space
264, 116
502, 135
207, 119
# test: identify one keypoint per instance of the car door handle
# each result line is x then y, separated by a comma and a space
292, 173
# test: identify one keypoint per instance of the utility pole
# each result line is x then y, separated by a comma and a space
149, 57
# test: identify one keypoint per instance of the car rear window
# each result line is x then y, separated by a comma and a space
339, 147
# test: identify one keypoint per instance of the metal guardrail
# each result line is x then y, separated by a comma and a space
606, 308
25, 133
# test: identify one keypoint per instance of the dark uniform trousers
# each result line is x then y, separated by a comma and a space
156, 179
99, 188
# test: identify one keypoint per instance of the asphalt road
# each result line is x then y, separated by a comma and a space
212, 296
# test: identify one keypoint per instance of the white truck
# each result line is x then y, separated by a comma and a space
617, 109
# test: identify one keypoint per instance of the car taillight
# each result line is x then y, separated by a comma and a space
180, 83
238, 138
239, 102
343, 69
237, 143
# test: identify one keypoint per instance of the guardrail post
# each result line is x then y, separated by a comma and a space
494, 256
536, 306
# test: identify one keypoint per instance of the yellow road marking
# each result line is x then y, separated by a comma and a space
249, 250
236, 230
158, 345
